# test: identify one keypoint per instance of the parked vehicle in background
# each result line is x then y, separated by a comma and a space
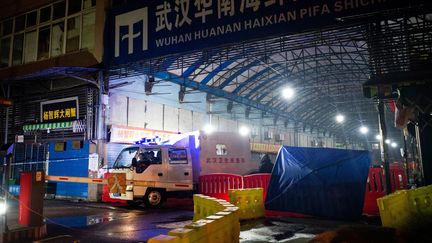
154, 169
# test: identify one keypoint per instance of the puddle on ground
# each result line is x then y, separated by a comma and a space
81, 221
174, 225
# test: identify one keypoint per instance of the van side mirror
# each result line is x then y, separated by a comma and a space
134, 162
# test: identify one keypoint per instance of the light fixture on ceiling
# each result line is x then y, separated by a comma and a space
378, 137
208, 129
364, 130
340, 118
288, 93
244, 131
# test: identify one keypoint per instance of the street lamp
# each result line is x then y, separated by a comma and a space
394, 145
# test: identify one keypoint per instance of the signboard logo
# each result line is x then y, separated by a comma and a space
117, 183
130, 26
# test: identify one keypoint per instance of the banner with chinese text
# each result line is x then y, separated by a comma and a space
125, 134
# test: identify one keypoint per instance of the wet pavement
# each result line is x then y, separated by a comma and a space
98, 222
119, 223
285, 229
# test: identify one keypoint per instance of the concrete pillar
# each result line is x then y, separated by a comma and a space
95, 190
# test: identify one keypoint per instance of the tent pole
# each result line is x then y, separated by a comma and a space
383, 145
405, 155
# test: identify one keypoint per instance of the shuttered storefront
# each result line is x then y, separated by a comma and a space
25, 116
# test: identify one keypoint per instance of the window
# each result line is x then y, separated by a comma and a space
7, 27
31, 19
150, 156
45, 14
74, 6
89, 3
17, 54
43, 43
88, 32
50, 31
19, 23
60, 147
57, 39
59, 10
4, 51
221, 149
124, 159
177, 156
73, 34
77, 144
30, 47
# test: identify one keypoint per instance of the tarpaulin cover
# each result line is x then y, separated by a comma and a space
321, 182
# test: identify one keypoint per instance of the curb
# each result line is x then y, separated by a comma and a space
29, 233
57, 239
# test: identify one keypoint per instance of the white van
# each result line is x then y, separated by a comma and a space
153, 171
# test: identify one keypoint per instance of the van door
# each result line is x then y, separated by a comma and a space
180, 168
149, 166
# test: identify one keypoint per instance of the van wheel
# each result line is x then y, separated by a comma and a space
154, 198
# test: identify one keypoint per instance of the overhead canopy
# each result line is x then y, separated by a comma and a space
326, 67
321, 182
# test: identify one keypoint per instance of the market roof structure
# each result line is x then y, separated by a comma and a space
327, 69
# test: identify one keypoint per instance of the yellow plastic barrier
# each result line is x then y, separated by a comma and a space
214, 221
164, 238
406, 208
249, 201
205, 206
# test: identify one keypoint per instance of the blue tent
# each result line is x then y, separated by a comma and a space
321, 182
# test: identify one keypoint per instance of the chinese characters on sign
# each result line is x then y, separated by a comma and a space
205, 8
60, 110
225, 160
121, 134
59, 113
163, 27
265, 148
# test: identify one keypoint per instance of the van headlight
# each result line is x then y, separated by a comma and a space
129, 187
2, 208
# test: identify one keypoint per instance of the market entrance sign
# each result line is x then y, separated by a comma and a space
145, 29
59, 110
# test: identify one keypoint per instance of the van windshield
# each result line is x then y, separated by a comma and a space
124, 159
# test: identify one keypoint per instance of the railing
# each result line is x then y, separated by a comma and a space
375, 186
257, 181
217, 185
